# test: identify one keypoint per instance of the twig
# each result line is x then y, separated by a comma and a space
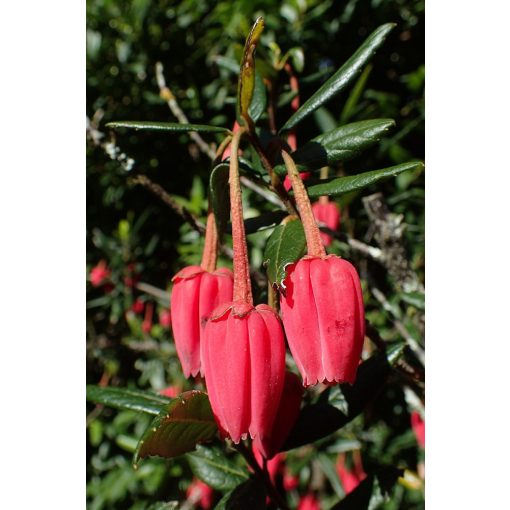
144, 181
270, 197
166, 94
154, 291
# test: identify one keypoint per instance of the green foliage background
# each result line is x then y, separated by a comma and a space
196, 40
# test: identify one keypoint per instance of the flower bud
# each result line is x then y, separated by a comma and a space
195, 294
324, 320
243, 356
328, 214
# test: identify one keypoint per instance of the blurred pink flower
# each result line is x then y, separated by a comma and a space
99, 274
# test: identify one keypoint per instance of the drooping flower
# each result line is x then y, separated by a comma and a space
321, 304
200, 494
138, 306
350, 477
99, 274
243, 350
288, 411
328, 214
165, 319
197, 291
309, 502
418, 425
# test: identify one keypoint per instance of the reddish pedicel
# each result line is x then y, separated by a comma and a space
322, 305
243, 352
328, 214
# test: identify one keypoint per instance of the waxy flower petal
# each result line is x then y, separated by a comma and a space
243, 355
327, 214
195, 294
323, 316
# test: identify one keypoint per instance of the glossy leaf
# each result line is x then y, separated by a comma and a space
212, 467
220, 196
259, 99
322, 419
246, 85
172, 127
127, 399
355, 95
340, 144
341, 185
184, 422
286, 245
343, 77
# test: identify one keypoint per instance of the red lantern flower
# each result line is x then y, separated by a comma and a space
200, 494
138, 306
165, 318
328, 214
418, 425
99, 274
309, 502
322, 305
196, 292
243, 350
288, 411
350, 478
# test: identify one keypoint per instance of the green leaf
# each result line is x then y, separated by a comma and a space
220, 196
164, 505
184, 422
340, 144
246, 84
286, 244
355, 95
249, 495
343, 77
259, 99
416, 299
173, 127
319, 420
123, 398
263, 221
342, 185
212, 467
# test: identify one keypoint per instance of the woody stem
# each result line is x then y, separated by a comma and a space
210, 253
312, 232
242, 284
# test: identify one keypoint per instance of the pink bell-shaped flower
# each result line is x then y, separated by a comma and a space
328, 214
288, 411
322, 305
350, 477
243, 350
197, 291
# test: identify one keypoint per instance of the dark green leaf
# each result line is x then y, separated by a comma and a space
166, 126
220, 196
259, 99
416, 299
341, 185
250, 495
321, 419
286, 244
355, 95
123, 398
252, 225
164, 505
340, 144
395, 353
184, 422
343, 77
212, 467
